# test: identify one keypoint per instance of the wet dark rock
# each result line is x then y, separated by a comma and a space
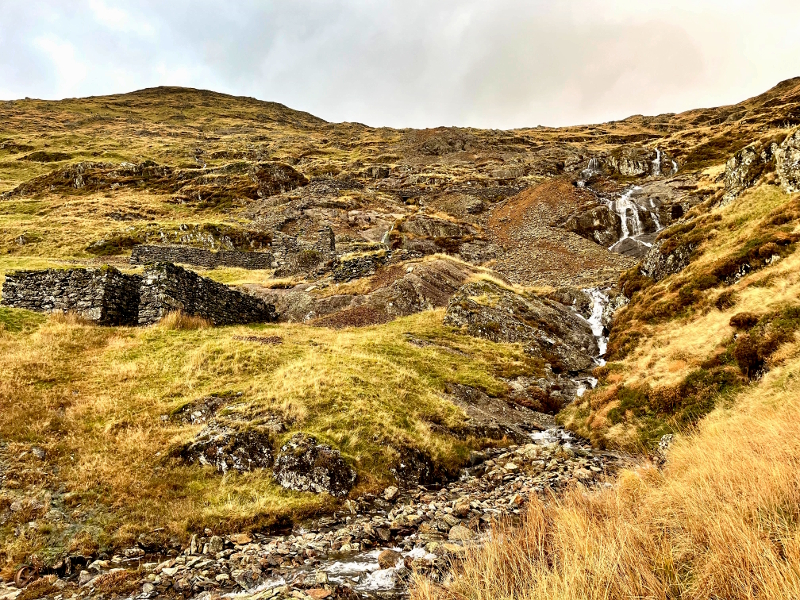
414, 466
226, 448
304, 465
544, 327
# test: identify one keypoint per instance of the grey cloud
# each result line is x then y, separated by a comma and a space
505, 63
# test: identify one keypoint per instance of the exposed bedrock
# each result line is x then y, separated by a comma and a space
545, 328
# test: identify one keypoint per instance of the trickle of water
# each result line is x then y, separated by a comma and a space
385, 238
599, 302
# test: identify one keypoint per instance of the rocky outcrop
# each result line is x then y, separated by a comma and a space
599, 224
544, 327
228, 449
306, 466
104, 296
661, 262
168, 288
143, 254
633, 161
788, 163
495, 418
744, 169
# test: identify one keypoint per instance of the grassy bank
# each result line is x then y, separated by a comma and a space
722, 520
98, 402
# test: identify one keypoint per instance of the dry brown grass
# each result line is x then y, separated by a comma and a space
722, 520
180, 321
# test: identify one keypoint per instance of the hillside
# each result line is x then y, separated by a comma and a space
472, 326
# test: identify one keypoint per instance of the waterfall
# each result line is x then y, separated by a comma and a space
657, 163
385, 238
674, 167
621, 206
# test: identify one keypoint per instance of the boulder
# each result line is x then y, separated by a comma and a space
226, 448
388, 559
788, 163
744, 169
544, 327
459, 533
599, 224
304, 465
659, 263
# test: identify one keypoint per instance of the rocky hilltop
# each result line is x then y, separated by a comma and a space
375, 338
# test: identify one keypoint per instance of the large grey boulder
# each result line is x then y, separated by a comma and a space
659, 263
227, 448
599, 224
307, 466
544, 327
744, 169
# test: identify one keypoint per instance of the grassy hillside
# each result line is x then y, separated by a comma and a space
717, 362
101, 404
719, 521
91, 425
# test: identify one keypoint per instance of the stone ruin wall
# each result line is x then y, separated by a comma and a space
109, 297
104, 295
168, 288
200, 257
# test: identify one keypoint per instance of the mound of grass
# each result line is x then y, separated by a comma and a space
98, 402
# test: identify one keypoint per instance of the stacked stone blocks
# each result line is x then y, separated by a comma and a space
109, 297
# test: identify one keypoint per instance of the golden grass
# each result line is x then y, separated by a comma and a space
722, 520
93, 398
178, 320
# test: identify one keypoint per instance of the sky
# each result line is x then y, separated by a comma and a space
411, 63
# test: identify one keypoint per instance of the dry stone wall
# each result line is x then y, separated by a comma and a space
109, 297
146, 254
169, 288
103, 295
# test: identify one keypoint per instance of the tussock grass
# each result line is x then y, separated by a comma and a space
722, 520
179, 320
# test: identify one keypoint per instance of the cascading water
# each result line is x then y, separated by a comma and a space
657, 163
631, 223
385, 238
595, 320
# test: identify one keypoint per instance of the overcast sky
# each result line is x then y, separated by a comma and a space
411, 63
